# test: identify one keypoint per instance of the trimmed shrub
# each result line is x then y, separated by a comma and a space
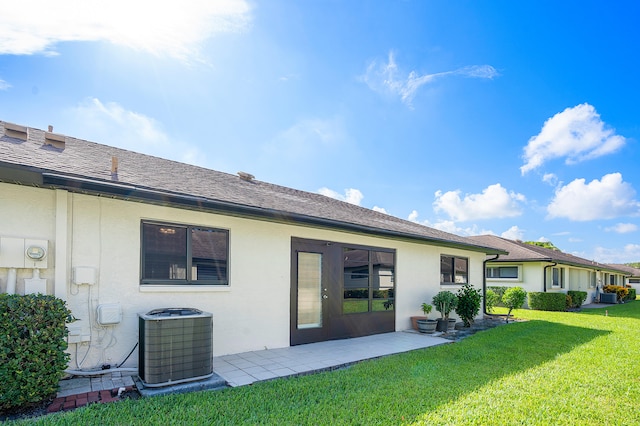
32, 342
577, 298
491, 300
547, 301
568, 302
469, 300
631, 295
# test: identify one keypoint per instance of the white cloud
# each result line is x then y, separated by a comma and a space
386, 78
379, 210
448, 226
494, 202
550, 178
626, 254
173, 29
112, 124
576, 133
4, 85
352, 196
623, 228
513, 233
599, 199
308, 138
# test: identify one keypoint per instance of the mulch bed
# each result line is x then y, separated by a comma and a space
478, 325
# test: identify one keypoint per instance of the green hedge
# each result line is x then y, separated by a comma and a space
631, 295
547, 301
32, 348
577, 298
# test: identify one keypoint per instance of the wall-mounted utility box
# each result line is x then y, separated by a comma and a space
84, 275
109, 314
11, 252
77, 333
23, 253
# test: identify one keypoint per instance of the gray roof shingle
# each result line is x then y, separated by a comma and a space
522, 252
80, 159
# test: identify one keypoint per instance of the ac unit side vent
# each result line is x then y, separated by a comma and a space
175, 346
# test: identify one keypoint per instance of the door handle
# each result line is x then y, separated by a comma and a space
324, 296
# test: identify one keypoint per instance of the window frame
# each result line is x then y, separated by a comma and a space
561, 277
498, 278
188, 281
356, 275
453, 269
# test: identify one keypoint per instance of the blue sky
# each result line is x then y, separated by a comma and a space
517, 118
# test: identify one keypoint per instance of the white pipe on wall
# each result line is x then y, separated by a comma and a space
11, 281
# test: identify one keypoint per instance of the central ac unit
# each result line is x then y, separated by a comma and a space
175, 346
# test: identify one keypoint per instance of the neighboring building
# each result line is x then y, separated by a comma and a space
124, 233
538, 269
632, 276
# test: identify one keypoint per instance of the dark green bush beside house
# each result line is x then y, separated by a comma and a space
468, 306
631, 295
547, 301
577, 297
32, 348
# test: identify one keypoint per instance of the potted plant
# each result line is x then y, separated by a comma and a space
445, 302
426, 325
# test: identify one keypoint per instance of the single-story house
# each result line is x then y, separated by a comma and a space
117, 233
632, 276
539, 269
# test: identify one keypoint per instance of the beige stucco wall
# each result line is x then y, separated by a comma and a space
252, 313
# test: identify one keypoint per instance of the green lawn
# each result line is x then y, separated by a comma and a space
556, 368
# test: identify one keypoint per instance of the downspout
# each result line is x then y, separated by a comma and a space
484, 287
544, 278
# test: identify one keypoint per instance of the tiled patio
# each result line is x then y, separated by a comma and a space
249, 367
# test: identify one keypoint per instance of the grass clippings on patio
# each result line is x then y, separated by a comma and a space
556, 368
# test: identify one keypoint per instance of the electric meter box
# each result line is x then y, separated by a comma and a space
35, 253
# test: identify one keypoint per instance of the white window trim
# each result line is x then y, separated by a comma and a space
519, 279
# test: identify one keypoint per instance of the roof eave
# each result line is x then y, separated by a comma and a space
149, 195
599, 266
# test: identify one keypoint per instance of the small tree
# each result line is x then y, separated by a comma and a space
426, 308
513, 298
469, 299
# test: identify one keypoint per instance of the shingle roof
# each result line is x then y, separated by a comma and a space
630, 270
522, 252
82, 164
